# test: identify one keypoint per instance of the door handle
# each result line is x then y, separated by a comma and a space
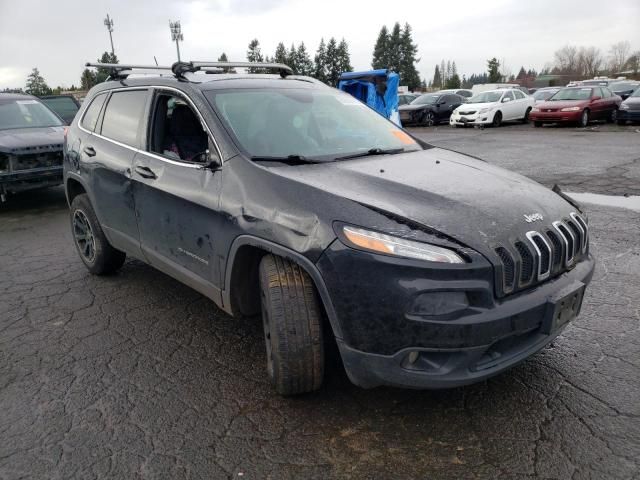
90, 151
145, 172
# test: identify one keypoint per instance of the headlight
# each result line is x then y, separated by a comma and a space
484, 110
624, 106
535, 109
570, 109
398, 247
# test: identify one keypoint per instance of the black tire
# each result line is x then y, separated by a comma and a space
428, 119
584, 119
94, 249
292, 320
497, 119
613, 116
537, 124
526, 115
622, 122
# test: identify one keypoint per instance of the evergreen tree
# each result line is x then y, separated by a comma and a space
320, 62
36, 84
103, 73
343, 57
223, 58
443, 73
453, 81
454, 69
305, 65
493, 67
332, 62
381, 50
394, 48
521, 74
87, 79
254, 55
437, 78
281, 54
292, 59
408, 74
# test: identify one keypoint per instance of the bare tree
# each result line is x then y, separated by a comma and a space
618, 56
633, 62
566, 60
589, 61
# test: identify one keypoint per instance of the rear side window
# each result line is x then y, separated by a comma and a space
65, 107
91, 115
519, 94
123, 115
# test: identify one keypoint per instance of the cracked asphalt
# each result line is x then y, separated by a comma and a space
137, 376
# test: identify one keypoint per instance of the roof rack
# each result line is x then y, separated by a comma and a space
180, 68
121, 71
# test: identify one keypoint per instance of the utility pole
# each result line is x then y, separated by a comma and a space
176, 34
108, 22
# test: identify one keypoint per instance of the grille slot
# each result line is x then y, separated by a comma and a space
557, 249
577, 233
508, 268
584, 230
568, 239
543, 254
526, 267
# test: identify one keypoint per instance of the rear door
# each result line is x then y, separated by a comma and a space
177, 195
109, 156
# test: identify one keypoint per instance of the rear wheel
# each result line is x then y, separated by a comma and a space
292, 321
497, 119
584, 119
94, 249
526, 116
537, 124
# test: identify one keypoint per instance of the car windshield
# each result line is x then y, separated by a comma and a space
309, 124
636, 93
27, 113
572, 94
485, 97
622, 86
426, 100
543, 94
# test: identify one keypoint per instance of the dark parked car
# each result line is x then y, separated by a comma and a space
65, 106
630, 109
407, 98
31, 138
624, 89
430, 109
278, 195
577, 105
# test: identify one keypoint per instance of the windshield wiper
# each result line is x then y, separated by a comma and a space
372, 151
289, 159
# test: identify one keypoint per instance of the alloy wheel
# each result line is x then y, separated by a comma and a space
428, 119
83, 235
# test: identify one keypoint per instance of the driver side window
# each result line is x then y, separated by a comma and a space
508, 95
175, 130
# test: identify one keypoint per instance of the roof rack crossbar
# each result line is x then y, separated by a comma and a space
283, 69
121, 71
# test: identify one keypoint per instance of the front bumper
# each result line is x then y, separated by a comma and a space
555, 117
452, 342
21, 180
474, 119
629, 115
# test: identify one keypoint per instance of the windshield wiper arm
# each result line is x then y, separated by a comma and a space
372, 151
291, 159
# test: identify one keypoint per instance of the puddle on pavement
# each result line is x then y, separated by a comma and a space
632, 202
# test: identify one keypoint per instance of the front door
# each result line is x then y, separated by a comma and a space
177, 195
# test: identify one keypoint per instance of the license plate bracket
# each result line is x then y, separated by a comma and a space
563, 307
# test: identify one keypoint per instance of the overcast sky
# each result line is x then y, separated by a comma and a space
59, 36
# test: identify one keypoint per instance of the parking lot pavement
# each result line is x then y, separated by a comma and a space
137, 376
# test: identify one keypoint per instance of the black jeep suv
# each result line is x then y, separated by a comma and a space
280, 195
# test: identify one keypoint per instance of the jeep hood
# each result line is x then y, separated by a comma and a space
469, 200
20, 138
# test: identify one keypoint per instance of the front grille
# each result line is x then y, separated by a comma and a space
541, 254
36, 160
470, 112
549, 109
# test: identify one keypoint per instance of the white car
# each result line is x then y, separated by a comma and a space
493, 108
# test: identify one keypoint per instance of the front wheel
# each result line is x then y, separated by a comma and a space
622, 122
94, 249
292, 321
613, 116
428, 119
584, 119
537, 124
497, 119
526, 115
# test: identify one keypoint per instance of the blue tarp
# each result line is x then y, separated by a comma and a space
376, 88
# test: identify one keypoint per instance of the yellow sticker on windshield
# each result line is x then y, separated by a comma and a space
403, 137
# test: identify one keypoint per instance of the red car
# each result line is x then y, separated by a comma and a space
577, 105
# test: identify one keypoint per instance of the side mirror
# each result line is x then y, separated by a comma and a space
505, 100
